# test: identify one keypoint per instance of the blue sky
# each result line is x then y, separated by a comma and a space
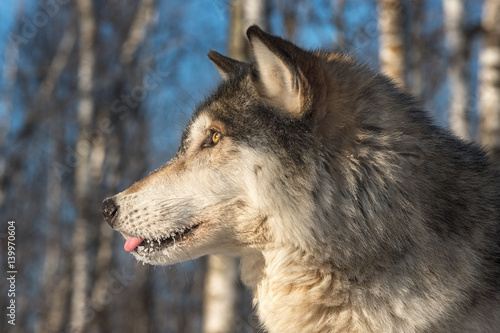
8, 9
7, 14
204, 26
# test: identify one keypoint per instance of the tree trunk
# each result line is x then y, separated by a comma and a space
489, 90
52, 277
339, 23
255, 12
237, 47
57, 65
137, 31
9, 78
243, 15
110, 146
55, 280
57, 307
392, 46
220, 295
417, 84
454, 19
80, 314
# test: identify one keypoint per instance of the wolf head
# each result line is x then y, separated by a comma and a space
350, 209
259, 161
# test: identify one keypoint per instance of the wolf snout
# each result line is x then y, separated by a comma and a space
108, 210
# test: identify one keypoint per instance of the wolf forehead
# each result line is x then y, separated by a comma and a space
237, 110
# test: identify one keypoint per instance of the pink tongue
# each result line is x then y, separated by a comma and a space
132, 243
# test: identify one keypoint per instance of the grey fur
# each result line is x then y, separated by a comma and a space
351, 210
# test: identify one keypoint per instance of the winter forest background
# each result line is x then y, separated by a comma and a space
94, 94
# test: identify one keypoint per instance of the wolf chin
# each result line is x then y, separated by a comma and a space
350, 209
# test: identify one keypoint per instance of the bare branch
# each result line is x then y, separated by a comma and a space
137, 30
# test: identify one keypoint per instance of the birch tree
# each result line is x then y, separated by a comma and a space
111, 143
489, 90
137, 31
338, 21
86, 115
9, 76
237, 47
417, 83
392, 46
54, 184
289, 9
454, 21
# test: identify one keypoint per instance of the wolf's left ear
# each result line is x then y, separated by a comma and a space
226, 66
279, 77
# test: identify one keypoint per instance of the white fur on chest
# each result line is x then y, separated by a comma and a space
292, 295
289, 298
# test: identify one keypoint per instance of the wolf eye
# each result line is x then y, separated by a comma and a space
215, 137
212, 139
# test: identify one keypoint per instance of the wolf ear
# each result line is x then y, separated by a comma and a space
279, 78
226, 66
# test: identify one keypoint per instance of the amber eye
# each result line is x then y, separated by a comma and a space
215, 137
212, 139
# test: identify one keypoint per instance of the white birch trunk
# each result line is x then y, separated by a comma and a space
454, 19
243, 15
392, 46
237, 44
79, 315
489, 90
219, 308
57, 307
254, 12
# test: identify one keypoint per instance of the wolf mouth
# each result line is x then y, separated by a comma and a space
148, 246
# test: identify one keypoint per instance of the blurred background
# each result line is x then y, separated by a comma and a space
94, 94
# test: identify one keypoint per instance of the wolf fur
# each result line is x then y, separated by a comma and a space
350, 209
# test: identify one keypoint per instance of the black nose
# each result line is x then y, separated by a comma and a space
109, 210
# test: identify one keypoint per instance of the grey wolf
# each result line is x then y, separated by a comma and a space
351, 211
